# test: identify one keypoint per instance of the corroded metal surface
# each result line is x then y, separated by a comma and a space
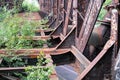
109, 43
35, 52
73, 37
67, 17
90, 19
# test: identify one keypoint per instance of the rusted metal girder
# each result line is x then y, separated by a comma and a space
69, 39
35, 52
44, 30
36, 37
55, 8
89, 22
65, 28
42, 5
82, 8
109, 43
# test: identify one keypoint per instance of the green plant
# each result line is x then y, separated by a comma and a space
14, 5
12, 27
103, 11
4, 13
17, 6
31, 5
12, 60
13, 30
37, 72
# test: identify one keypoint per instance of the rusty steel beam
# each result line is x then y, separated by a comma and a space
82, 59
36, 37
52, 24
68, 39
109, 43
89, 22
41, 2
55, 8
45, 30
61, 9
35, 52
75, 15
58, 29
67, 17
81, 10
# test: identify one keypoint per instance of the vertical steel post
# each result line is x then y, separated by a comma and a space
67, 17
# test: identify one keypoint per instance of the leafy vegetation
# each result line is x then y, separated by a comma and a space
31, 5
13, 30
14, 5
12, 27
4, 13
103, 11
37, 72
21, 5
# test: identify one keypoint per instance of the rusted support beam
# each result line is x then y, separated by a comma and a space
80, 15
10, 69
104, 21
35, 52
89, 22
68, 40
67, 17
41, 2
55, 8
82, 59
44, 30
75, 14
81, 10
52, 24
62, 37
114, 23
58, 29
61, 9
36, 37
109, 43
